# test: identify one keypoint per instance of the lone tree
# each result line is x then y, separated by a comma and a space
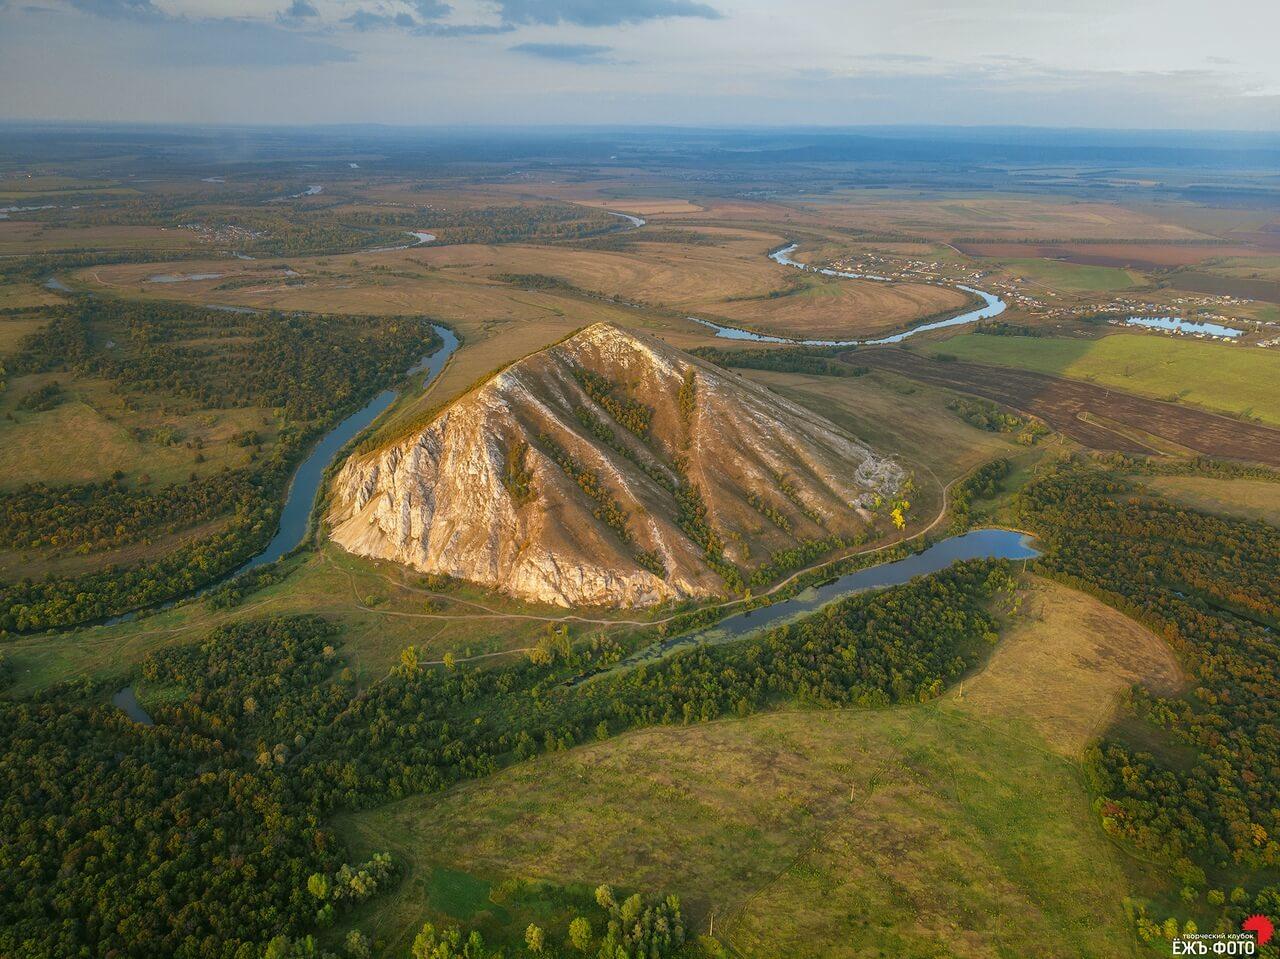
535, 938
580, 934
604, 896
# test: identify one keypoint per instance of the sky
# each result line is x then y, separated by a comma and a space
1130, 64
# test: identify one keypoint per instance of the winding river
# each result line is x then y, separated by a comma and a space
992, 306
976, 544
635, 221
306, 480
305, 484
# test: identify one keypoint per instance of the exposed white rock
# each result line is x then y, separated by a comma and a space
437, 500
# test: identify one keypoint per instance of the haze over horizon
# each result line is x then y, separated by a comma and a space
679, 62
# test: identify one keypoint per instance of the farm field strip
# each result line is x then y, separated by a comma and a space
1061, 402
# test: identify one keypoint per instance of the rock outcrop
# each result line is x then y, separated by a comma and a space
608, 470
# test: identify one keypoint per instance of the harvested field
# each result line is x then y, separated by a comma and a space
1230, 380
1148, 256
1094, 416
995, 218
1243, 287
644, 206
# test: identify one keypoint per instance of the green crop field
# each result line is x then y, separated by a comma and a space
1074, 277
1227, 379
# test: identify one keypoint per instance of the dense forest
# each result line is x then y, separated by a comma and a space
280, 218
544, 222
817, 360
202, 835
1210, 586
307, 370
163, 840
985, 415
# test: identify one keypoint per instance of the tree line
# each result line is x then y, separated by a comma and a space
202, 836
309, 369
1210, 586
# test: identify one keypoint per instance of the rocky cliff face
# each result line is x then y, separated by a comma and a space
608, 470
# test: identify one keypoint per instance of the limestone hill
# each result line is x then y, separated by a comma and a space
609, 469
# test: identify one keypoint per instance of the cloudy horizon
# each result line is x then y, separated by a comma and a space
629, 62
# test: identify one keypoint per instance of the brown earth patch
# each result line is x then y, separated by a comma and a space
1094, 416
1239, 286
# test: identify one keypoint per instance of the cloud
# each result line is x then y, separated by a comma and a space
896, 57
120, 9
431, 9
245, 43
173, 40
364, 20
566, 52
600, 13
299, 10
461, 29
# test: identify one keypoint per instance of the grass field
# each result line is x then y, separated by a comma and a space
23, 294
827, 308
381, 607
957, 828
1228, 379
14, 329
1243, 498
896, 416
644, 206
90, 435
1073, 277
17, 236
728, 276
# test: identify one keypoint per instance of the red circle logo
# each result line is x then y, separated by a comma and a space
1261, 927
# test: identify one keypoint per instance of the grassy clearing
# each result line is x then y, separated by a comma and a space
14, 329
1228, 379
1243, 498
91, 434
955, 828
382, 608
1061, 666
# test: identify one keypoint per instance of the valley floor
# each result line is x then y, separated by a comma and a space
960, 827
